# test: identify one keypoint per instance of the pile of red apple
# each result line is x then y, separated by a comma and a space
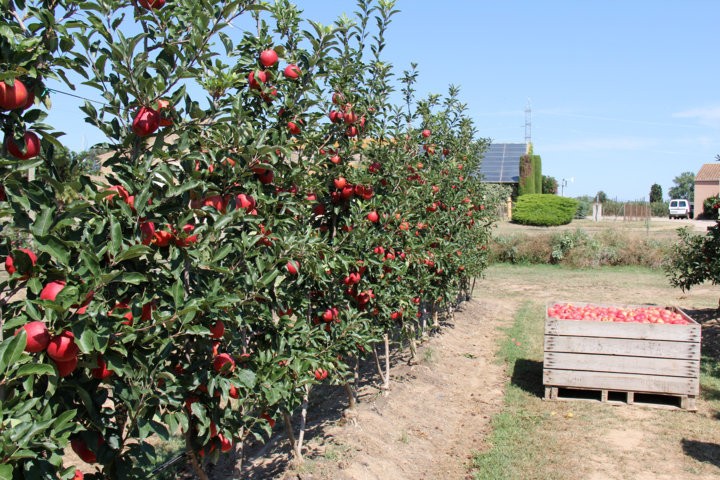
597, 313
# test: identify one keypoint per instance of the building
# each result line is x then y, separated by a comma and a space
707, 184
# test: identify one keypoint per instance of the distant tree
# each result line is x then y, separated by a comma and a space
549, 185
537, 171
601, 196
527, 176
656, 193
684, 186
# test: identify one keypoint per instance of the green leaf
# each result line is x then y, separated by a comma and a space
43, 222
64, 421
178, 293
133, 252
133, 278
35, 369
87, 341
56, 248
115, 236
13, 349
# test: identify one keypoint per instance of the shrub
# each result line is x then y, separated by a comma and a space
659, 209
544, 210
710, 207
694, 259
527, 176
584, 208
537, 171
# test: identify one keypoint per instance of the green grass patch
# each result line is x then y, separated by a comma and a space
512, 449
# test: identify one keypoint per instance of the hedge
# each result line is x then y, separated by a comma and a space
544, 210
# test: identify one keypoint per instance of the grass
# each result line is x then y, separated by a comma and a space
511, 441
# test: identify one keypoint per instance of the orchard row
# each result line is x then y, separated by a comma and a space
264, 218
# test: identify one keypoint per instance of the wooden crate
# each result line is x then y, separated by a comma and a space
623, 361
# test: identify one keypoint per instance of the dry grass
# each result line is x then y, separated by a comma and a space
585, 243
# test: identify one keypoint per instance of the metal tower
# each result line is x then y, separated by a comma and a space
528, 124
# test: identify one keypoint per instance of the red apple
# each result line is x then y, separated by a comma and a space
101, 372
146, 122
293, 128
320, 374
256, 78
292, 72
147, 232
268, 58
82, 450
66, 368
217, 330
162, 238
350, 118
38, 336
269, 419
31, 147
163, 109
245, 202
51, 290
335, 116
292, 267
233, 392
340, 183
79, 475
373, 216
62, 348
225, 443
12, 96
426, 133
10, 262
152, 4
223, 363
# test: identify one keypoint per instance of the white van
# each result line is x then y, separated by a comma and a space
679, 208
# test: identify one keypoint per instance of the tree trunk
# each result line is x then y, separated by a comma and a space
303, 420
194, 463
386, 384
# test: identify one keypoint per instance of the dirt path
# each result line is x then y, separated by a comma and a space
435, 416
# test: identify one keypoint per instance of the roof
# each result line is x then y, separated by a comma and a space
501, 162
709, 172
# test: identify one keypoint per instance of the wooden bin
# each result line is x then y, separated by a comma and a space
655, 364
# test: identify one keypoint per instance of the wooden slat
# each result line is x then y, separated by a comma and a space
620, 346
621, 382
645, 331
622, 364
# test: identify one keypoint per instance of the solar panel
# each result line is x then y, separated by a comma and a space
501, 162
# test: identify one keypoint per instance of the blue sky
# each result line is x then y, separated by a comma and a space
623, 94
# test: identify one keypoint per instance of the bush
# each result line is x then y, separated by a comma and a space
659, 209
527, 176
710, 207
584, 208
544, 210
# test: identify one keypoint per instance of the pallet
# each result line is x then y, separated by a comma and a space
614, 397
623, 361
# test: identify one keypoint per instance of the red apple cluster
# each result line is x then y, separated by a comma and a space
649, 314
